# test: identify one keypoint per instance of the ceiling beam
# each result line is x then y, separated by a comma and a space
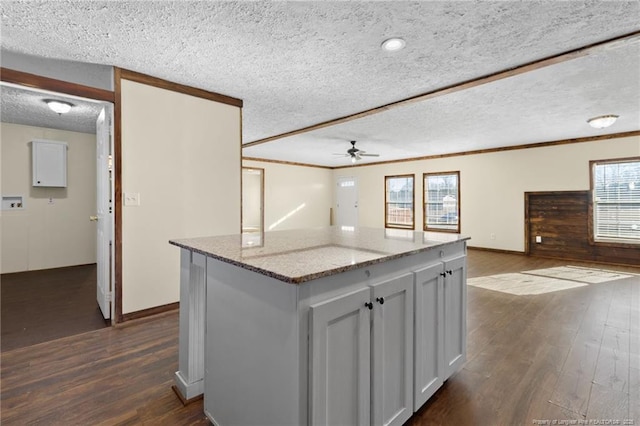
180, 88
45, 83
287, 163
468, 84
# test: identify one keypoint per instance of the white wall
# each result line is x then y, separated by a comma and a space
47, 234
182, 155
492, 185
295, 196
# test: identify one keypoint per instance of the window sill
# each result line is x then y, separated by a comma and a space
391, 226
615, 243
450, 231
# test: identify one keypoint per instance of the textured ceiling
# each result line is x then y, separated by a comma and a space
23, 106
547, 104
296, 64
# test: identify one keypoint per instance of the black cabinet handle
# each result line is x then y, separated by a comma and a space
442, 274
449, 272
380, 300
369, 305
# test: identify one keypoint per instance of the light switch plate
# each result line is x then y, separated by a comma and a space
131, 198
538, 239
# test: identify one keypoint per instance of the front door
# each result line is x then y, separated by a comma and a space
347, 202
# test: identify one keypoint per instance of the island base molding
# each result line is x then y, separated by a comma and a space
184, 401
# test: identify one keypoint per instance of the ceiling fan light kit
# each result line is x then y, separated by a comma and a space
356, 154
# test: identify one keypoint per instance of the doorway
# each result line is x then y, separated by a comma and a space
50, 269
347, 202
252, 200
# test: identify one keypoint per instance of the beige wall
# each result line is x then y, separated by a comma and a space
182, 155
492, 185
295, 197
47, 234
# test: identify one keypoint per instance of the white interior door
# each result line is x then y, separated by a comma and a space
347, 202
252, 200
103, 217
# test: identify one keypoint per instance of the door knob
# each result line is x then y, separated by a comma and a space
93, 218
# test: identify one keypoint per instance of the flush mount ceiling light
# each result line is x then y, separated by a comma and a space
602, 121
393, 44
59, 107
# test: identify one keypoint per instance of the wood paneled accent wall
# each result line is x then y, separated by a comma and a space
561, 218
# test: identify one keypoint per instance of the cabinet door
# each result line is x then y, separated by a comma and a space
455, 315
429, 333
392, 369
49, 163
340, 360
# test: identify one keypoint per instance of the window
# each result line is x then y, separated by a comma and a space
615, 187
442, 201
398, 200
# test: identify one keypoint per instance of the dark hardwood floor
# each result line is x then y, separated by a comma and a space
44, 305
567, 355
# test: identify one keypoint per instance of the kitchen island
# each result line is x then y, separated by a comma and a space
316, 326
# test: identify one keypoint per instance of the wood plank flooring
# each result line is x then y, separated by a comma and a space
44, 305
572, 354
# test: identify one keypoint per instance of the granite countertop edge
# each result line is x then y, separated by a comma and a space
316, 275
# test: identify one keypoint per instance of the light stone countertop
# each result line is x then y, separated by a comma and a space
302, 255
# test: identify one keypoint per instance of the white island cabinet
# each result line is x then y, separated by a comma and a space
317, 326
440, 325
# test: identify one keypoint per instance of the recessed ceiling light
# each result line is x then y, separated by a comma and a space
60, 107
602, 121
393, 44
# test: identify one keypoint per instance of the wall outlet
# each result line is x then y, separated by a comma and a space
493, 236
538, 239
131, 198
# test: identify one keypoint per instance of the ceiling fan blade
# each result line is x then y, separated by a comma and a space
342, 155
370, 155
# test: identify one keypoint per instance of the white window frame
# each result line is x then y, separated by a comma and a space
628, 198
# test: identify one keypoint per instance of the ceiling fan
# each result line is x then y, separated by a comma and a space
356, 153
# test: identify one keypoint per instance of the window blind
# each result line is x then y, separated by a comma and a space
399, 201
616, 200
441, 200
